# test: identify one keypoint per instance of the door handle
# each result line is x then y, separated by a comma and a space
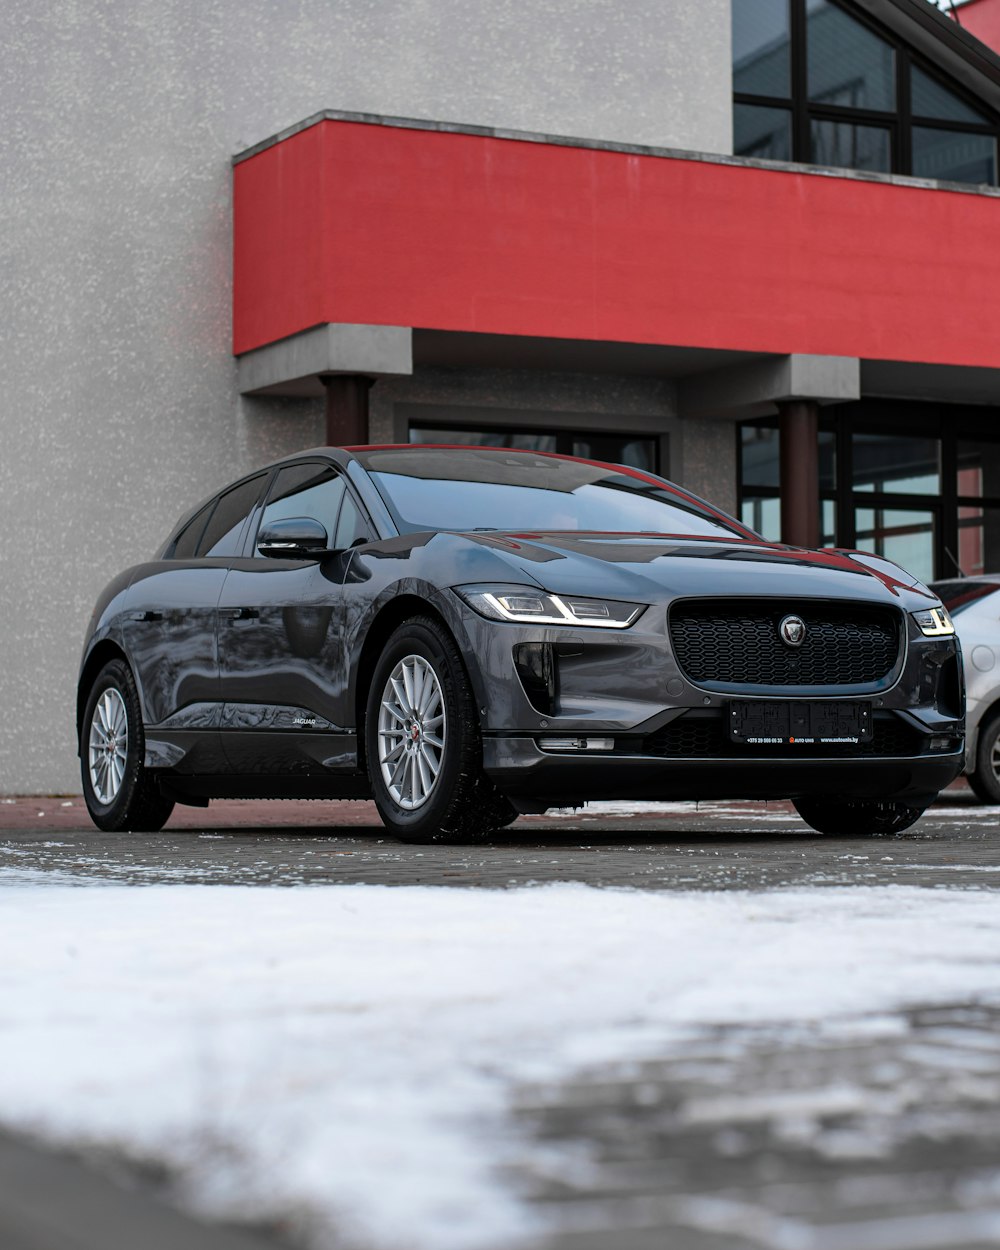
239, 614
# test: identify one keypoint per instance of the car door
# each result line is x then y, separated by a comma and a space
170, 628
281, 652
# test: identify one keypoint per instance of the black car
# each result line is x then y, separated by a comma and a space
465, 633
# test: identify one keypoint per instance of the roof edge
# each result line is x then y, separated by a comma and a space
610, 145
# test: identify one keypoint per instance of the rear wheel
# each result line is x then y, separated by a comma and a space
423, 744
119, 792
860, 817
985, 777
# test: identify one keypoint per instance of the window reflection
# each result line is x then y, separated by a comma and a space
845, 145
930, 99
761, 133
978, 540
897, 465
977, 465
954, 156
761, 60
760, 457
848, 64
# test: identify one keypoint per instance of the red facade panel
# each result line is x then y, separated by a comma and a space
348, 222
982, 19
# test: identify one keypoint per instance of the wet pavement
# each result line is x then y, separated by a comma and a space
680, 846
880, 1133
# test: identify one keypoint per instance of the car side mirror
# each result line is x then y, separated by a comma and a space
294, 538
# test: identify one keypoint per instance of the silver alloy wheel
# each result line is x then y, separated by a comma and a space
412, 732
995, 757
108, 745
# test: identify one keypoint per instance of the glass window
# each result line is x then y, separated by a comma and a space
351, 527
760, 457
978, 540
637, 453
904, 535
953, 156
930, 99
524, 440
761, 60
761, 133
848, 64
977, 468
225, 528
828, 523
306, 490
186, 543
896, 464
476, 489
763, 516
845, 145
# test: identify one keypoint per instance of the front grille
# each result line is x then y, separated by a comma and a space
736, 643
704, 735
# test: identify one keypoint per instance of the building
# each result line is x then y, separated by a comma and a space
748, 243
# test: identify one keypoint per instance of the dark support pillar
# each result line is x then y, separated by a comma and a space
799, 426
346, 408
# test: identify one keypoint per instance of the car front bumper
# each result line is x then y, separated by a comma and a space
532, 777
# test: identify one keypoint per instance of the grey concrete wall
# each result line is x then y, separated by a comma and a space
119, 118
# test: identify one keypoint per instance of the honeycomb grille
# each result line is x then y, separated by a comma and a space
737, 643
704, 735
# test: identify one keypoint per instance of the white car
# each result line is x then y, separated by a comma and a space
974, 605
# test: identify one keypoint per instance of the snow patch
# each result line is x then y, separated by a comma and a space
347, 1054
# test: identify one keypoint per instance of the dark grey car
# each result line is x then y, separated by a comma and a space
469, 633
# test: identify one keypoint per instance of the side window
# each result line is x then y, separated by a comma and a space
222, 534
351, 527
311, 490
186, 542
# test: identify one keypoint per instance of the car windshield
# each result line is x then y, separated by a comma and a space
427, 488
957, 596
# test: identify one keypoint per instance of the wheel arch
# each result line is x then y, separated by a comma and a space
105, 651
395, 613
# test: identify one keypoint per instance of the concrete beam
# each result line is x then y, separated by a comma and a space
293, 366
754, 389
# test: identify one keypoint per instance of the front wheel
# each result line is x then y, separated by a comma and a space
119, 792
860, 817
423, 745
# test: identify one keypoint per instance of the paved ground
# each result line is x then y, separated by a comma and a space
682, 846
744, 1139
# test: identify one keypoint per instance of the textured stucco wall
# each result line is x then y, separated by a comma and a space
119, 118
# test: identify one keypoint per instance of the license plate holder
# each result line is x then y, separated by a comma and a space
772, 723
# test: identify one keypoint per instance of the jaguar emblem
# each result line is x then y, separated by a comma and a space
792, 631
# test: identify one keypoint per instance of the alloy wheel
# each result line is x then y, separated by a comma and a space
108, 747
412, 732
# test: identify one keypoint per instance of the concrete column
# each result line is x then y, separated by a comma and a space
346, 408
799, 428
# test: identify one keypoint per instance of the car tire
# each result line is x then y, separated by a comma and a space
984, 780
423, 743
858, 817
119, 791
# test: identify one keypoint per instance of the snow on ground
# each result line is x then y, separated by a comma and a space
349, 1052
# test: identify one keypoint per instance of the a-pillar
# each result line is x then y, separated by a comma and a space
799, 430
346, 408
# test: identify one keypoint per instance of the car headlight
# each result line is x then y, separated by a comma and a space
526, 606
935, 622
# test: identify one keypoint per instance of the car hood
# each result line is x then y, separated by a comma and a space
653, 568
